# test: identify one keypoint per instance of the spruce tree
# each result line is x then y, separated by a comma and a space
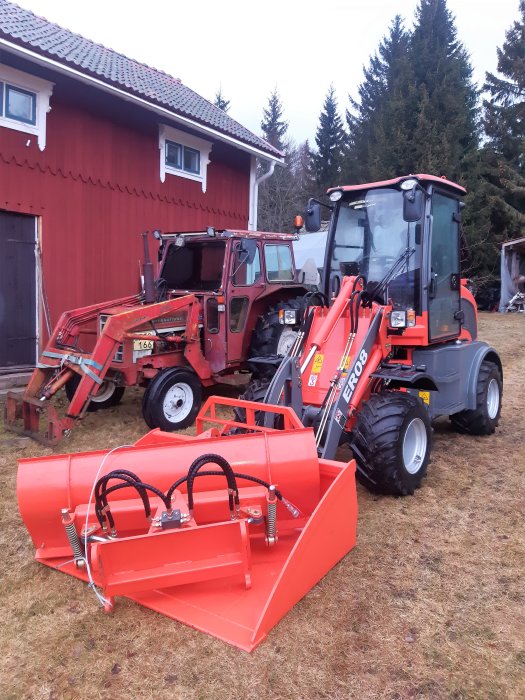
327, 161
379, 144
504, 123
220, 101
444, 129
273, 126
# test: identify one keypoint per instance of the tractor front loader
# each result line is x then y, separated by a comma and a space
128, 324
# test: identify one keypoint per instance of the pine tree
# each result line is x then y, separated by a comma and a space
327, 161
274, 127
220, 101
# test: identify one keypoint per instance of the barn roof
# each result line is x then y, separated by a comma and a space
23, 28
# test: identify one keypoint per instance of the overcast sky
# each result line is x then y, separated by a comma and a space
298, 46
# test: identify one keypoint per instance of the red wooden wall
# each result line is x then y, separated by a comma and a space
96, 187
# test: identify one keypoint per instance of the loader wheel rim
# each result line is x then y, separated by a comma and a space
105, 392
286, 340
493, 398
178, 402
414, 445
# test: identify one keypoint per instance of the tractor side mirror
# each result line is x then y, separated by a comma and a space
247, 251
312, 221
413, 204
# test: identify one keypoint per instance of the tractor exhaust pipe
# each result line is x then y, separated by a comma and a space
149, 282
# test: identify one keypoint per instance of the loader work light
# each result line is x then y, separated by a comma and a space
336, 196
398, 319
407, 185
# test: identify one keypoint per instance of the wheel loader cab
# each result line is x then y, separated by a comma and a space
404, 233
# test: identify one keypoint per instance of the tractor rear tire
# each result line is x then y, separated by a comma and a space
109, 394
172, 399
484, 419
255, 391
391, 443
271, 337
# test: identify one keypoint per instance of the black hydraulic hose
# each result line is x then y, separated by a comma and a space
101, 491
311, 295
237, 475
233, 495
147, 487
101, 502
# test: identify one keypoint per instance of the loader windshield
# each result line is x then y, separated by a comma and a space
370, 235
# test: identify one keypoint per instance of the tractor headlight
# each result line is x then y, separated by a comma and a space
336, 196
288, 317
398, 319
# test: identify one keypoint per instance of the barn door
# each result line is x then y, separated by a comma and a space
18, 320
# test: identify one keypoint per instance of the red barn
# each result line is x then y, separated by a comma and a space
94, 149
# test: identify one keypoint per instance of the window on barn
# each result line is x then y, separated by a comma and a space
183, 155
24, 103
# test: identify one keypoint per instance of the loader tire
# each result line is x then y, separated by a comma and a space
172, 399
108, 395
484, 419
271, 337
391, 443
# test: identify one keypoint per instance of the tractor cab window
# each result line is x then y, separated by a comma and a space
195, 265
370, 236
278, 259
245, 273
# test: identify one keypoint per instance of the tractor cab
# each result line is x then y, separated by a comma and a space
403, 237
238, 276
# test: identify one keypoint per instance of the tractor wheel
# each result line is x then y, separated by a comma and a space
485, 417
108, 395
271, 337
255, 391
172, 399
391, 443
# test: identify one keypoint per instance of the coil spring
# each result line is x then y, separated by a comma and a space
73, 539
271, 518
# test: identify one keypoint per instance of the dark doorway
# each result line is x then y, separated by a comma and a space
18, 327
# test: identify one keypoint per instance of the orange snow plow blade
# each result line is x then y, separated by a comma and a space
229, 558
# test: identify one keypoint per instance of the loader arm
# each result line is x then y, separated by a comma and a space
63, 357
116, 329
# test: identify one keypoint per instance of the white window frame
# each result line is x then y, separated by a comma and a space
42, 90
168, 133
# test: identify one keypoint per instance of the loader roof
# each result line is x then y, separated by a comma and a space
395, 181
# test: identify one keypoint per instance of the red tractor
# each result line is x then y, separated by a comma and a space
219, 297
395, 344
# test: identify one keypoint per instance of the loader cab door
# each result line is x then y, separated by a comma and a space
444, 284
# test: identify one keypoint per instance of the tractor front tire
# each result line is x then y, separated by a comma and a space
391, 443
271, 337
108, 395
172, 399
484, 419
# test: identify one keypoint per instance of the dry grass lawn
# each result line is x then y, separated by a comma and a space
430, 604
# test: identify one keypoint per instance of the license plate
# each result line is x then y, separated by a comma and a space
139, 344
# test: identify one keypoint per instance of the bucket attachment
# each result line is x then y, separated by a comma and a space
224, 531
